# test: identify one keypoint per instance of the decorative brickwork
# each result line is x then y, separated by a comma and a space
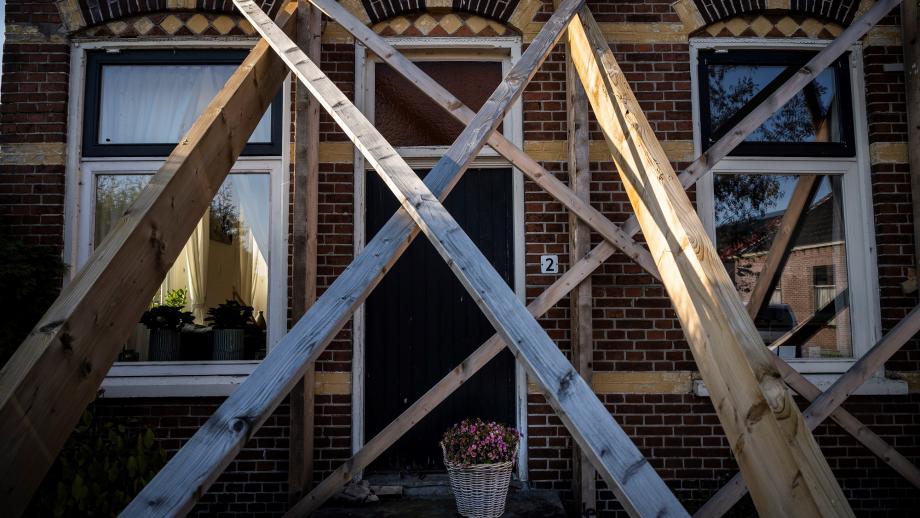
840, 11
772, 26
172, 24
440, 24
77, 14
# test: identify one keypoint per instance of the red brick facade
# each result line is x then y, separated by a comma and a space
634, 326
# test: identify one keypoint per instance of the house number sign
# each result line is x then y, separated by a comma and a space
549, 264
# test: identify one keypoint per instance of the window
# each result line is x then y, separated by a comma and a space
141, 102
816, 122
827, 268
138, 104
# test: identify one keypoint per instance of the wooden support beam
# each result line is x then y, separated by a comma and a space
778, 456
57, 371
910, 19
635, 482
437, 93
823, 59
827, 404
200, 461
570, 280
580, 302
793, 219
304, 230
498, 142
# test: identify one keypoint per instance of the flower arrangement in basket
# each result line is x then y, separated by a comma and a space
480, 457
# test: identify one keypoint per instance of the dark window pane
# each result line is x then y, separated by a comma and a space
406, 117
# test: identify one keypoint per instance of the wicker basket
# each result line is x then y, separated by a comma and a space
480, 490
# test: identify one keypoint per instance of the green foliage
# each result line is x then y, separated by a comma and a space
176, 298
166, 317
230, 315
102, 467
30, 280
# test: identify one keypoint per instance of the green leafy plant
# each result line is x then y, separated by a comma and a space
474, 441
176, 298
30, 280
166, 317
102, 467
230, 315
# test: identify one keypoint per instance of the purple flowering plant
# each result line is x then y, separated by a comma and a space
474, 441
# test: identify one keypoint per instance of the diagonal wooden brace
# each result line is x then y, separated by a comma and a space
58, 369
437, 93
827, 404
781, 460
545, 179
639, 489
446, 386
199, 462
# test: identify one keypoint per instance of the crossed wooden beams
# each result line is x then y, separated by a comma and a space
50, 379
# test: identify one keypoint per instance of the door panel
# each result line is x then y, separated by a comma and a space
421, 323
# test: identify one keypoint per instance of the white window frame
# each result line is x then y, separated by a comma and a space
857, 197
187, 378
506, 50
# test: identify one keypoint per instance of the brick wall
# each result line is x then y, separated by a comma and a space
635, 328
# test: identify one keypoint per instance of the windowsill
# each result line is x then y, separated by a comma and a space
175, 379
874, 386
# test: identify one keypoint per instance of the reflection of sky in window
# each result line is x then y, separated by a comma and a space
779, 204
734, 79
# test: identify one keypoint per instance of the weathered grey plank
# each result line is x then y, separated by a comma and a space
59, 367
303, 235
195, 467
635, 482
780, 459
910, 19
572, 278
580, 303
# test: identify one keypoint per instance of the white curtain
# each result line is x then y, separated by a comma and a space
251, 192
196, 268
149, 104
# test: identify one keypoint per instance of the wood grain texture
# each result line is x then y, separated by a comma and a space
827, 404
191, 471
571, 279
823, 59
789, 227
303, 233
910, 19
638, 487
546, 180
580, 303
60, 366
779, 458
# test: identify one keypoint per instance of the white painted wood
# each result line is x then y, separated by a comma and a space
58, 369
446, 386
781, 461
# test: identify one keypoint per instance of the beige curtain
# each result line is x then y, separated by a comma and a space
253, 273
196, 268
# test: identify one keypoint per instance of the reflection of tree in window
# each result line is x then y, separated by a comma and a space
741, 202
225, 220
805, 118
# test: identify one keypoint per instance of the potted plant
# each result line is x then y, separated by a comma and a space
480, 457
229, 321
164, 323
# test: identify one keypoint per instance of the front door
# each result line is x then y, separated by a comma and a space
421, 323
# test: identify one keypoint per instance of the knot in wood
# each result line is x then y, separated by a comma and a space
239, 425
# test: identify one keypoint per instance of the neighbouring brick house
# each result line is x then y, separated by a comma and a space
95, 94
